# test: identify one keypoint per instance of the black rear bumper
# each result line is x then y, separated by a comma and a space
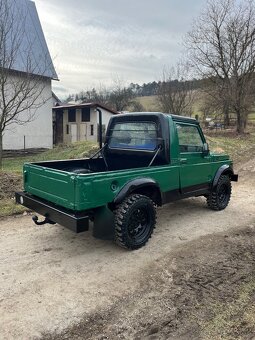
75, 221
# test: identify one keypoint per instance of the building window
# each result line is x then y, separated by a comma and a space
92, 130
85, 114
71, 115
67, 129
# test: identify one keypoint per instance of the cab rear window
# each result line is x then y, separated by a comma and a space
134, 135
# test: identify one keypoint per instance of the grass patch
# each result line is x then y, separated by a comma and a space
8, 207
230, 319
150, 103
239, 147
72, 151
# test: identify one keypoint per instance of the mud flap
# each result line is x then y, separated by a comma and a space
103, 224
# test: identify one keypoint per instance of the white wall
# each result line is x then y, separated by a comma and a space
106, 115
38, 133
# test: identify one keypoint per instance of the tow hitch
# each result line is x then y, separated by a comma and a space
46, 220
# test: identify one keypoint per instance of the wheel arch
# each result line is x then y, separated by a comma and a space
224, 170
143, 186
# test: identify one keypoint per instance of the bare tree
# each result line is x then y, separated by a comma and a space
121, 96
175, 92
221, 48
100, 96
136, 106
117, 97
20, 91
214, 102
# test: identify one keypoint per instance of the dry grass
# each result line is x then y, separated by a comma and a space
8, 207
229, 318
239, 147
150, 103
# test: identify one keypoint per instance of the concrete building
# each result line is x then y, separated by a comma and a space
74, 123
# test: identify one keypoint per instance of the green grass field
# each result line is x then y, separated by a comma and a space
72, 151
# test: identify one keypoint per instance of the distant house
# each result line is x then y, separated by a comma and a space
38, 133
72, 123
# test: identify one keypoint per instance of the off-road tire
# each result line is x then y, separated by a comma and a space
135, 219
219, 197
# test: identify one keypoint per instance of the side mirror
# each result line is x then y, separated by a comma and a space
205, 151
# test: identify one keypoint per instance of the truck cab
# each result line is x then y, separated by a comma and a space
133, 140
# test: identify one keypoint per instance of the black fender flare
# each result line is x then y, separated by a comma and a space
139, 185
224, 169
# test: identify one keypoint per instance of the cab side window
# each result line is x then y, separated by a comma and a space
190, 139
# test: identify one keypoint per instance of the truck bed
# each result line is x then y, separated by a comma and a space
77, 166
84, 184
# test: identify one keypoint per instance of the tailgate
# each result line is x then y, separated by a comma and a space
52, 185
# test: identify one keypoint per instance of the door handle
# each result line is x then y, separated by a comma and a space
183, 161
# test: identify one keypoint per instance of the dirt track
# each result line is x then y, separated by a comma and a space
51, 278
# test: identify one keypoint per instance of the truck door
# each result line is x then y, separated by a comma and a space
195, 167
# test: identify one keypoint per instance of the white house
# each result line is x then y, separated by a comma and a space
38, 133
80, 122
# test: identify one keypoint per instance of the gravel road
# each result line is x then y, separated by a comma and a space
50, 278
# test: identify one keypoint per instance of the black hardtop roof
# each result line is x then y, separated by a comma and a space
174, 117
184, 119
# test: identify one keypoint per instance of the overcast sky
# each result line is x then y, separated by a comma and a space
95, 41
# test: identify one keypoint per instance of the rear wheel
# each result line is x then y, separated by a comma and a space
219, 197
135, 219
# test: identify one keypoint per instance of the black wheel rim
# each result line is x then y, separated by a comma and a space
139, 224
223, 194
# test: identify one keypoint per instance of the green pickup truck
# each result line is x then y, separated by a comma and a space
148, 159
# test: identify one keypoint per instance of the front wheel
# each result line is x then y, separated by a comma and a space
219, 197
135, 219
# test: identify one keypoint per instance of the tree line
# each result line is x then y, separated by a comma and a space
122, 97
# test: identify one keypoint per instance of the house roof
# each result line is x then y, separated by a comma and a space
32, 47
80, 106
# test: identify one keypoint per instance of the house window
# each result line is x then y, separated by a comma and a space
85, 114
67, 129
71, 115
91, 130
